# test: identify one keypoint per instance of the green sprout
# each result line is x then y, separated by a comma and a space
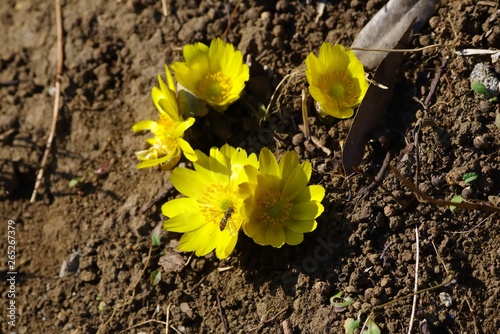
469, 177
346, 301
481, 89
155, 239
155, 277
455, 199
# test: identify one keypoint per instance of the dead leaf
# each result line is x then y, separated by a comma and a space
171, 261
372, 112
387, 27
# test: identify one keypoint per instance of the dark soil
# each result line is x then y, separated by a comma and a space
365, 244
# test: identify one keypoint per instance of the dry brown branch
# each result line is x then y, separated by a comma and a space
59, 71
231, 18
424, 198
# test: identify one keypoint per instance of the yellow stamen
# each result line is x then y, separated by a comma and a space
275, 209
215, 87
339, 87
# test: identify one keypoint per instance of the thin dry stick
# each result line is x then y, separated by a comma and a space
231, 18
304, 115
168, 319
435, 82
476, 331
439, 256
164, 7
59, 70
221, 314
262, 323
415, 288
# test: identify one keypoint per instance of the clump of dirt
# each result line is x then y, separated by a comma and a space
365, 245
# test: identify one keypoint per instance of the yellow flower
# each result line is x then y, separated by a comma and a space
336, 80
216, 75
167, 143
212, 213
282, 206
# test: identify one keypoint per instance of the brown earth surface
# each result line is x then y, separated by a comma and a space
365, 245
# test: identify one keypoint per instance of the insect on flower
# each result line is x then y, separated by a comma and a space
227, 215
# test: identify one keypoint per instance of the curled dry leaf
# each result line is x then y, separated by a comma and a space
371, 113
387, 27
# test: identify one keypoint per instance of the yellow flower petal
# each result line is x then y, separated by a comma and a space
275, 237
178, 223
224, 249
310, 193
306, 211
293, 238
268, 163
188, 182
295, 183
301, 226
187, 150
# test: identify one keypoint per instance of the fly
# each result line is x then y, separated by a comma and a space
227, 215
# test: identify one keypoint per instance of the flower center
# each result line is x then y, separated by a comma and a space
215, 88
220, 206
274, 209
164, 140
339, 87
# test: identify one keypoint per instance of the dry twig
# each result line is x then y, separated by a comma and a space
263, 323
164, 7
424, 198
221, 314
59, 70
231, 19
415, 287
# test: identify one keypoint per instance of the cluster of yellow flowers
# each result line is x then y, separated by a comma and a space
215, 75
230, 190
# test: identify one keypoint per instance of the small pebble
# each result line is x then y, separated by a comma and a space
446, 299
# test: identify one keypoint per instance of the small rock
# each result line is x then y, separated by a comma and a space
446, 299
87, 276
434, 21
484, 75
322, 288
481, 142
468, 193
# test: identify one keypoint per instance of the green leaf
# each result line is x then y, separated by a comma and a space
155, 239
102, 306
479, 88
346, 301
469, 177
372, 327
155, 277
455, 199
74, 182
350, 325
